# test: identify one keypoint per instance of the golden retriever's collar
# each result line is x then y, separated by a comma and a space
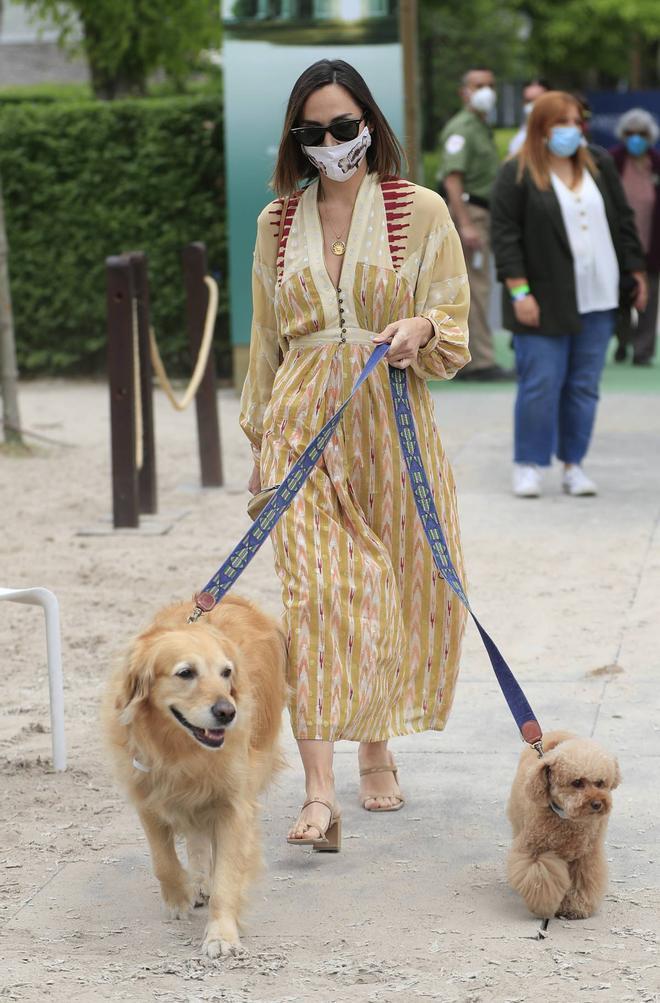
140, 766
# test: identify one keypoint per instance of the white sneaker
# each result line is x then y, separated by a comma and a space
576, 483
526, 480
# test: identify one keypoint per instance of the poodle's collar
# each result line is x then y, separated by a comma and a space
553, 804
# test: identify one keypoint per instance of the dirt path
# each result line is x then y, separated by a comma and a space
416, 905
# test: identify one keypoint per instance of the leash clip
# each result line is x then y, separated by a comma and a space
538, 746
204, 603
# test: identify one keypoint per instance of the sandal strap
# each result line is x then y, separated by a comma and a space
380, 769
326, 804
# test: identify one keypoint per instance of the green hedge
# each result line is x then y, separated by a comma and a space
84, 180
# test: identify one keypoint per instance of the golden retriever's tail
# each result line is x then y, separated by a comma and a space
542, 881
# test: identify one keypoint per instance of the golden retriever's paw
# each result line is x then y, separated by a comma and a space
179, 900
201, 887
222, 948
222, 940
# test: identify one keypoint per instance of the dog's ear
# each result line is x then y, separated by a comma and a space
538, 781
139, 674
617, 775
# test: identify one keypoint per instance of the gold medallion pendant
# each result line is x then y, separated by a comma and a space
338, 248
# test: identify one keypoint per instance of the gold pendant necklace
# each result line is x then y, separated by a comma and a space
338, 245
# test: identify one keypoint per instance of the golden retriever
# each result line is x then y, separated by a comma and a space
193, 718
559, 809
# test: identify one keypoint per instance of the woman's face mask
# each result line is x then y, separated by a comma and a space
637, 145
483, 100
564, 140
339, 163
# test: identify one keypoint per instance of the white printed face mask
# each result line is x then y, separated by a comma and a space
339, 163
483, 100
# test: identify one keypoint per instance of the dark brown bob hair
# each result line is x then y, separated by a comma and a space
385, 155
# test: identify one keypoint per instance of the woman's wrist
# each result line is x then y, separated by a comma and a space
519, 292
429, 331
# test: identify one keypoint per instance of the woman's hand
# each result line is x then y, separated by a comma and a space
405, 337
642, 295
527, 311
254, 484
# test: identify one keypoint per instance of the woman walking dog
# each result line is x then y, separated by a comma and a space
348, 257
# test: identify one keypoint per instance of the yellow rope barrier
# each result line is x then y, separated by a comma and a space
202, 358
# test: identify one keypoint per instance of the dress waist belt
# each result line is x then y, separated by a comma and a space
334, 336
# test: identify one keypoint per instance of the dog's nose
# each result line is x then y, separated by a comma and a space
596, 805
223, 711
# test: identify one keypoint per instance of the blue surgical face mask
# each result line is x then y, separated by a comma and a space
564, 140
636, 145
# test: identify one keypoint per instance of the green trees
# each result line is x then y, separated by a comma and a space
595, 43
126, 40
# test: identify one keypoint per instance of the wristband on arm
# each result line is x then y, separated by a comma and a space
519, 292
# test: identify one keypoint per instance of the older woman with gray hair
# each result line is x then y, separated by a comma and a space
639, 166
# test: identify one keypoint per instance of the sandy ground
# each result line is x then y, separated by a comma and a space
416, 905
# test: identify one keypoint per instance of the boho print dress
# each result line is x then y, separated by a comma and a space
374, 632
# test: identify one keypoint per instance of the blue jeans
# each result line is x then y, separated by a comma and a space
558, 380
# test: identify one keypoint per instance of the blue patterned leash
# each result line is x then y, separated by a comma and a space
263, 525
518, 705
276, 506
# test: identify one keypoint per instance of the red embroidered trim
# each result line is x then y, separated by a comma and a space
276, 218
397, 196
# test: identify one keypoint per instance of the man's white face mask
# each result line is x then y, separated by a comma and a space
339, 163
483, 99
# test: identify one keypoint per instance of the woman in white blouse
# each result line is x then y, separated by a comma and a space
565, 244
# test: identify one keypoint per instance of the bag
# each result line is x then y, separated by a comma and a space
260, 500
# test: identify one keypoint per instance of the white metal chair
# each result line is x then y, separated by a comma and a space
48, 601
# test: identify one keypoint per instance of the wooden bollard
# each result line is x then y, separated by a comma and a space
147, 486
119, 293
206, 403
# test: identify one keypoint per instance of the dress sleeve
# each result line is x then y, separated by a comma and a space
442, 296
264, 345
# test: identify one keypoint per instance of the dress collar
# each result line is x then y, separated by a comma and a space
314, 233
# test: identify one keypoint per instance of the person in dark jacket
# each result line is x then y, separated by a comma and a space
564, 239
639, 166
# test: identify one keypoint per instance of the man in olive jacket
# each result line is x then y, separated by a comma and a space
468, 167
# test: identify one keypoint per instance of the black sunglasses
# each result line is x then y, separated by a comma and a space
313, 135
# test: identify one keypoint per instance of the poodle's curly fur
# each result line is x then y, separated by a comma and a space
557, 861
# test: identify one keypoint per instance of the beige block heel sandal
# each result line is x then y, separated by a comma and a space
374, 797
329, 840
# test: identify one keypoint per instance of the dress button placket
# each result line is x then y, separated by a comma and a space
340, 302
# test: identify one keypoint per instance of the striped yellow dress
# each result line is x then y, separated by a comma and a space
374, 632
